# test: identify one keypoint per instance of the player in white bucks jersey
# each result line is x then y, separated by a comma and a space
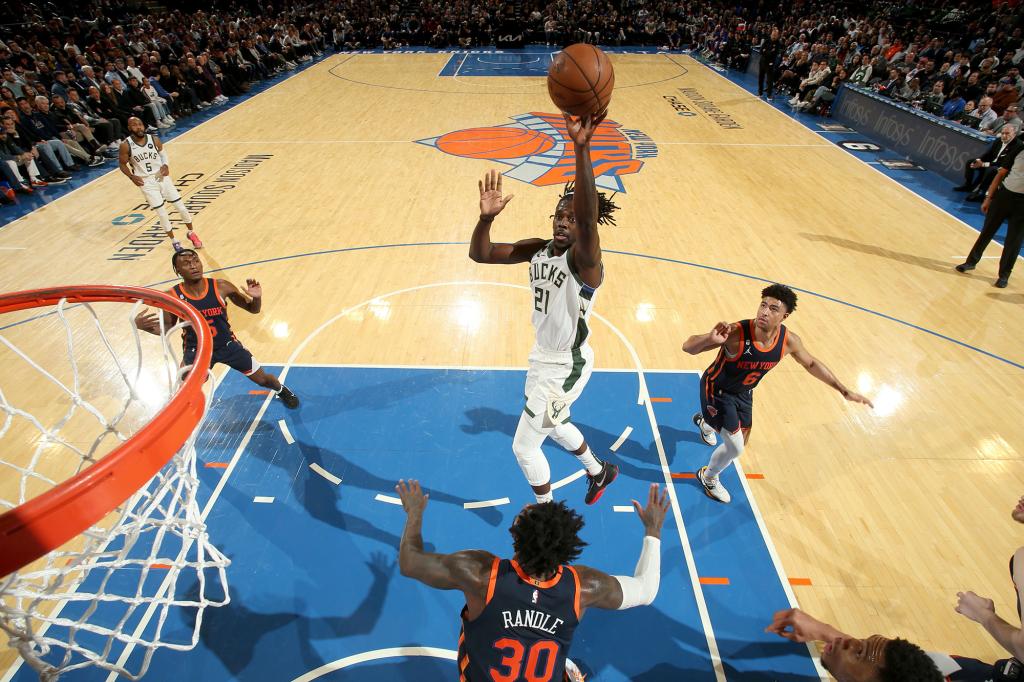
144, 161
565, 273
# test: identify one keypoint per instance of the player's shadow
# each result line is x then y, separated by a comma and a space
882, 252
235, 632
378, 396
663, 648
321, 496
1006, 298
672, 438
488, 419
371, 396
322, 504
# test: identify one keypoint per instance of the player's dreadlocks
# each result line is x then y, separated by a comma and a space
605, 205
545, 536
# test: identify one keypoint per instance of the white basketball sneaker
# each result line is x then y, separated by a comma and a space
707, 433
713, 488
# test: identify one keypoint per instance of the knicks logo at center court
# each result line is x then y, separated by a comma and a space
541, 153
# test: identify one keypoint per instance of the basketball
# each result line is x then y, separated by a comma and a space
495, 143
580, 80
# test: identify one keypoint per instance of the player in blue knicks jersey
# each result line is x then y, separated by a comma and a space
521, 613
565, 273
210, 296
747, 350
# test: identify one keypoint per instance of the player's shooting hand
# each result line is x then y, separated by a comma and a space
653, 515
164, 170
414, 500
581, 129
974, 607
491, 200
148, 322
857, 398
253, 288
139, 182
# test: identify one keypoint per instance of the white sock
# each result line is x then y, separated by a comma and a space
570, 438
730, 449
591, 463
546, 497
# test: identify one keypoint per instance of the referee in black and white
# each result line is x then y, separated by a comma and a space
1004, 200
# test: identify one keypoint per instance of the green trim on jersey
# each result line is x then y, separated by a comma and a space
577, 370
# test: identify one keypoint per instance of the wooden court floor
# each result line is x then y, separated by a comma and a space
888, 512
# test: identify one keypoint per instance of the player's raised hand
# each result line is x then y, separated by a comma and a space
253, 288
491, 200
974, 607
148, 322
414, 500
653, 515
581, 129
720, 333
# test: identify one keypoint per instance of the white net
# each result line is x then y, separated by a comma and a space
140, 579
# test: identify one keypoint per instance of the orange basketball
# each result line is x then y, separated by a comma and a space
580, 80
495, 143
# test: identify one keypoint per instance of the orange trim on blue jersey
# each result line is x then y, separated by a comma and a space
725, 346
206, 290
542, 584
220, 298
576, 599
769, 349
492, 580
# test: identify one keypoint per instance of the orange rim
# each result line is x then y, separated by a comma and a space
51, 519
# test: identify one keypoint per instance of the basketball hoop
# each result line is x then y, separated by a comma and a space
119, 533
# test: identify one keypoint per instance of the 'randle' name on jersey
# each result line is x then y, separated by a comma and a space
538, 620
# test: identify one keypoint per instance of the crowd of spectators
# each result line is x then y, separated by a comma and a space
959, 61
68, 85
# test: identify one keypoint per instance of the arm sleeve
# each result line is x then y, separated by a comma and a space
641, 588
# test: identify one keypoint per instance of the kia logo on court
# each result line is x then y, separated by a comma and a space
540, 152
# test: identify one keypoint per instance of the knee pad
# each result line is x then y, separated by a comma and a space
526, 447
568, 436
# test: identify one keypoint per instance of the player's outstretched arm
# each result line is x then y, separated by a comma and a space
481, 249
718, 336
586, 253
797, 626
468, 570
150, 322
251, 300
795, 347
603, 591
123, 163
983, 611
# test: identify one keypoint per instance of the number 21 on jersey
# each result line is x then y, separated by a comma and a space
540, 299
